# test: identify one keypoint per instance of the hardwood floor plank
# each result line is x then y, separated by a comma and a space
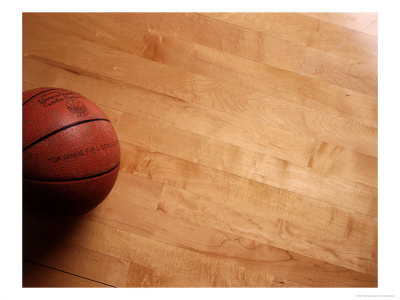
155, 135
343, 241
357, 166
292, 27
345, 42
337, 41
143, 276
259, 83
227, 130
162, 47
248, 149
172, 266
267, 259
280, 282
128, 214
247, 164
342, 72
234, 276
333, 129
197, 28
77, 260
304, 30
243, 132
335, 222
353, 166
157, 265
363, 22
35, 275
252, 165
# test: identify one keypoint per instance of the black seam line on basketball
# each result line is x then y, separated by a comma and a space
74, 179
61, 129
46, 266
41, 92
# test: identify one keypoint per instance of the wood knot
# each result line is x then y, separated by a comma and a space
151, 45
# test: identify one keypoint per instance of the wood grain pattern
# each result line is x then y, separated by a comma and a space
155, 44
363, 22
343, 72
163, 226
248, 149
353, 54
307, 30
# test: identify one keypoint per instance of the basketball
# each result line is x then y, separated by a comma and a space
71, 151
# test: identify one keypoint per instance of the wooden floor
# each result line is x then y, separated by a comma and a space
248, 149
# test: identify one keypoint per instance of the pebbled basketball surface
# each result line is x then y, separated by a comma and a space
70, 151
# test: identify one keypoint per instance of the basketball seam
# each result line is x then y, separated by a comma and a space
61, 129
74, 179
41, 92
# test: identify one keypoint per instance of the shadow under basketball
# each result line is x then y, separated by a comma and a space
44, 237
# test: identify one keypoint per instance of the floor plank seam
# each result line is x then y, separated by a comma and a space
341, 26
46, 266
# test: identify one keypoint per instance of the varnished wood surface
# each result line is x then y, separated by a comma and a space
248, 143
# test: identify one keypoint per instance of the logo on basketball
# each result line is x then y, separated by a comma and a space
76, 107
70, 98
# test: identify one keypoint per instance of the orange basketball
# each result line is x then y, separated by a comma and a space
71, 151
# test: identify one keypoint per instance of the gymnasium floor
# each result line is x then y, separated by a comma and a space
248, 150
